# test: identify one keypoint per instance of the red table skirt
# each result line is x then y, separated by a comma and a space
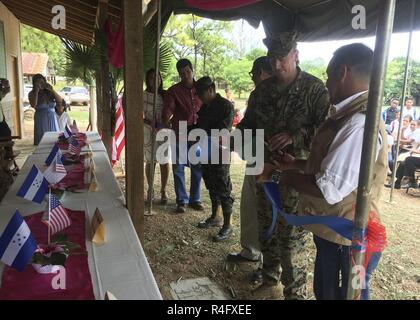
30, 285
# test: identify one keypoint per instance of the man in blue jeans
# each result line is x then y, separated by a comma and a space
328, 186
181, 103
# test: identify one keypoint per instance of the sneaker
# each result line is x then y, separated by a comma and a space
396, 186
410, 185
197, 206
180, 208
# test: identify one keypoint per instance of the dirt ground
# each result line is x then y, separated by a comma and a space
177, 249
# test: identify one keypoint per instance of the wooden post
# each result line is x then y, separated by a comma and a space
133, 80
105, 89
92, 108
99, 114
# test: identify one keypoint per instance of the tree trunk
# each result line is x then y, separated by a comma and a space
92, 109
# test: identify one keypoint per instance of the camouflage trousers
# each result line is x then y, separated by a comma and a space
217, 180
285, 254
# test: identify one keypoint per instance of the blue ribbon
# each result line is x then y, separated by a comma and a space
342, 226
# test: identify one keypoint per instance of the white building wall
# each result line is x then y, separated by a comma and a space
13, 49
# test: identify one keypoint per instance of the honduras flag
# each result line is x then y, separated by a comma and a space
67, 132
54, 151
17, 245
34, 187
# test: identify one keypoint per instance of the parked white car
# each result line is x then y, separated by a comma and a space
26, 89
75, 95
28, 111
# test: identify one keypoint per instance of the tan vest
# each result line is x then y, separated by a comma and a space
309, 205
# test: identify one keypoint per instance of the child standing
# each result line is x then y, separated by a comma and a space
216, 113
63, 117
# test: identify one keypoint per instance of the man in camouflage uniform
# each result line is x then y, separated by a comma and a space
289, 107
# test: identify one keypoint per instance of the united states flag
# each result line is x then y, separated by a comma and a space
74, 145
59, 167
118, 142
56, 171
58, 219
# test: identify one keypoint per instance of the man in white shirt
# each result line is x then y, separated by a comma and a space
409, 110
329, 184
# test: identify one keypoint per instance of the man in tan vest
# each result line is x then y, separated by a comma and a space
251, 249
329, 183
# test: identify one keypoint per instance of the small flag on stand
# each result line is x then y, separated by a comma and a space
17, 245
58, 218
55, 172
67, 132
74, 146
34, 187
53, 154
74, 128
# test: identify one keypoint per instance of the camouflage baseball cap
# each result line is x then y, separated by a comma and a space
281, 44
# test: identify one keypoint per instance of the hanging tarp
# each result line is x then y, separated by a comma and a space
217, 5
316, 20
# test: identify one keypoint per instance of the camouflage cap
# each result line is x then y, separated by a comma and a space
281, 44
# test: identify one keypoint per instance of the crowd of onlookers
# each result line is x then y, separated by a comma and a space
408, 159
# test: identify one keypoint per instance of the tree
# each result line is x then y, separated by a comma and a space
237, 77
395, 79
35, 40
205, 42
255, 53
315, 67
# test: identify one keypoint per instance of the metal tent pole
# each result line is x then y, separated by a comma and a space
404, 91
370, 138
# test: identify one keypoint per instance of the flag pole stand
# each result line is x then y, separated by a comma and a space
49, 216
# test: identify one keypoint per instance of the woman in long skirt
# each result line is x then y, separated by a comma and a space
43, 99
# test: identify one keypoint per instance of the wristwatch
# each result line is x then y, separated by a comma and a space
275, 176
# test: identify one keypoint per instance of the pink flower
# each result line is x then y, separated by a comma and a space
47, 250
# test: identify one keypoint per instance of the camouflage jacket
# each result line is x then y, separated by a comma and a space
299, 110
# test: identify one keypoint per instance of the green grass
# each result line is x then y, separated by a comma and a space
81, 115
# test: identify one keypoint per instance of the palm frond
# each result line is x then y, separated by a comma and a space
81, 61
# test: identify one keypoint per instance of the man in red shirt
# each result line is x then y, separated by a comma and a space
181, 103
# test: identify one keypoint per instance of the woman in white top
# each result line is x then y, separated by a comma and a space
407, 135
150, 124
62, 116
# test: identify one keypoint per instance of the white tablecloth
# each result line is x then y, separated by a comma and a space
120, 265
49, 138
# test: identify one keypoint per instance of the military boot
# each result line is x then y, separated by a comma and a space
226, 231
214, 220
